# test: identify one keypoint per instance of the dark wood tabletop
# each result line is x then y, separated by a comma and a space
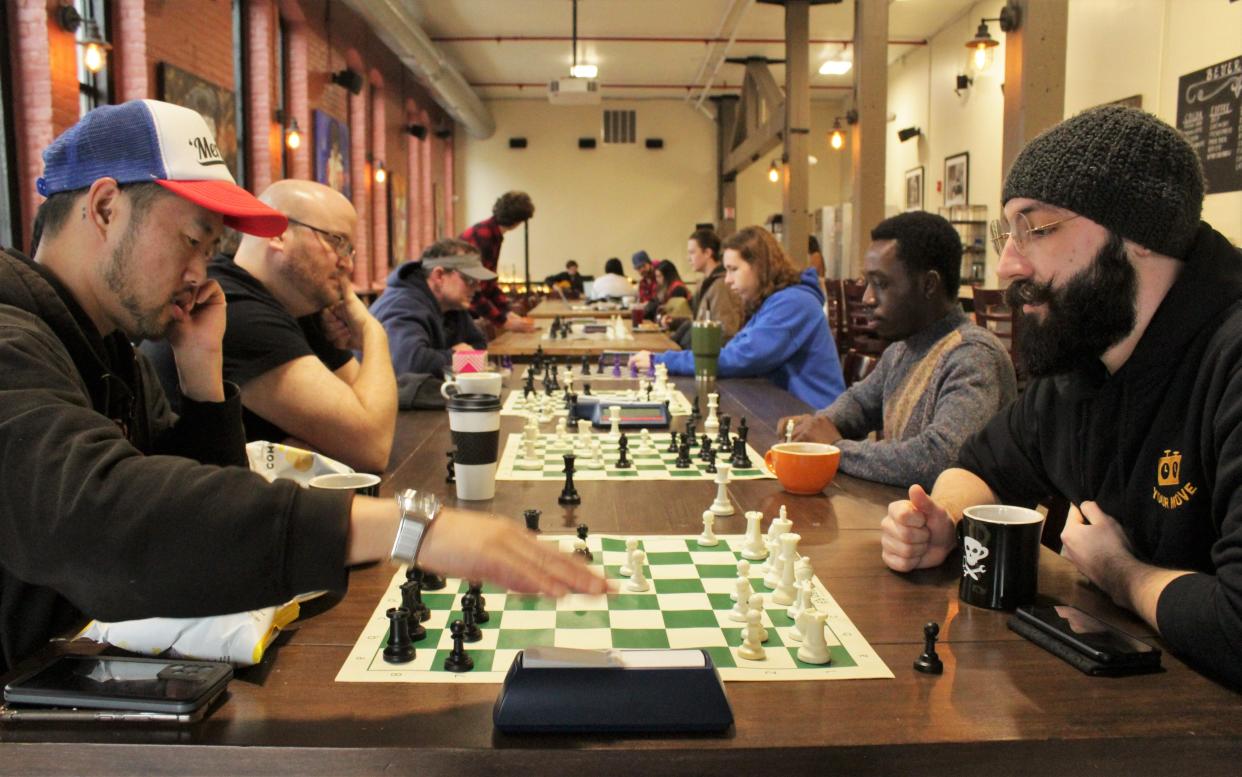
1002, 706
526, 343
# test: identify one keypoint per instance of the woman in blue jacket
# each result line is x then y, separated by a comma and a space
785, 338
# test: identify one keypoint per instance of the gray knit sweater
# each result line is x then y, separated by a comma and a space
928, 393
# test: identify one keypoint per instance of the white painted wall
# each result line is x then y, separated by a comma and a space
592, 204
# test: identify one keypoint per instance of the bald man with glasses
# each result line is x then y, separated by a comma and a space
294, 325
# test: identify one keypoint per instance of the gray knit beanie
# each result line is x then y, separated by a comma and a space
1120, 167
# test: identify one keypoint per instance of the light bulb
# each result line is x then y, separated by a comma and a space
293, 139
93, 57
380, 174
584, 71
837, 140
774, 174
981, 57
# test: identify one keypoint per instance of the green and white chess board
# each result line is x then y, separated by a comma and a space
687, 606
655, 464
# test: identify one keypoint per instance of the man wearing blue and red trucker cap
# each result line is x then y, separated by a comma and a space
113, 508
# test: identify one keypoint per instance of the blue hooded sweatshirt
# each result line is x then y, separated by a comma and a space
421, 336
786, 341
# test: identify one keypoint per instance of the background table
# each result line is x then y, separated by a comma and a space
552, 307
526, 343
1002, 706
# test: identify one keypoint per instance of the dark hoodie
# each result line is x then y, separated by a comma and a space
113, 508
1158, 445
421, 336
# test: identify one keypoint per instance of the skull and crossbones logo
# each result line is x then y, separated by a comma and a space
975, 552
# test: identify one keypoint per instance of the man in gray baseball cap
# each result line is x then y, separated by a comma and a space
1132, 333
425, 307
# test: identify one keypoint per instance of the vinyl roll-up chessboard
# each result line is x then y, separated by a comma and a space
654, 463
687, 606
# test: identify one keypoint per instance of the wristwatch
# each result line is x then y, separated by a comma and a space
418, 510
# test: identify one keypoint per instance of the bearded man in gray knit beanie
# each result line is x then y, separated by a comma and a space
1131, 333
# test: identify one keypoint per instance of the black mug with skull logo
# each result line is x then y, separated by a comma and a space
1000, 556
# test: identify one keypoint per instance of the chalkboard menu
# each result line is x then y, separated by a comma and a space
1209, 102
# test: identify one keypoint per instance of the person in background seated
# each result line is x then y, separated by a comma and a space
672, 287
941, 380
1132, 331
612, 284
648, 286
714, 300
785, 338
511, 210
570, 281
293, 323
815, 257
424, 308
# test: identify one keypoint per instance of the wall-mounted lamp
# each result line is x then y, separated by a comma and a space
963, 83
94, 56
909, 132
837, 138
350, 79
774, 173
982, 47
293, 136
381, 174
417, 130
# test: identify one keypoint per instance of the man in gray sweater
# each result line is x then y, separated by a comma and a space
940, 381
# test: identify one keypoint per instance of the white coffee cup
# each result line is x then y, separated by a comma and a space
362, 482
474, 421
472, 383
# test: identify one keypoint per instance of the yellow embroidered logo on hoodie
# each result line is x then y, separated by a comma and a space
1169, 475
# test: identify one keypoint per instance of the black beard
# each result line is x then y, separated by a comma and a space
1092, 313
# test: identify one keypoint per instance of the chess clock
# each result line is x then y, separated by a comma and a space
550, 690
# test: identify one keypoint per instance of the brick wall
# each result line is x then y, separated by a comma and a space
32, 98
63, 59
194, 35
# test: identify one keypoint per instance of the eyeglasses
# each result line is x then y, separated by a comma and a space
1021, 233
469, 281
342, 245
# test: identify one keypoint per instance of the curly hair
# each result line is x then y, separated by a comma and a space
772, 267
925, 242
512, 208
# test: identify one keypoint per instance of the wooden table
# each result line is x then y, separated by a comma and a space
552, 307
1002, 706
526, 343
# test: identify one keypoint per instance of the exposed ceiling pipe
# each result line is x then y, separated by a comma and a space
688, 87
716, 57
648, 39
393, 23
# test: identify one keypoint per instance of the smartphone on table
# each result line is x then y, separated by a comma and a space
1111, 650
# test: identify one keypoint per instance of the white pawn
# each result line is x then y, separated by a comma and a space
785, 590
751, 648
753, 548
743, 576
708, 538
741, 594
614, 420
756, 605
530, 458
644, 440
584, 429
803, 604
631, 545
712, 424
637, 581
814, 649
722, 505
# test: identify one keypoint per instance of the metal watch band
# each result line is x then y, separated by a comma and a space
418, 510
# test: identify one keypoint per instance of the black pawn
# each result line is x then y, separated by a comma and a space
711, 463
458, 660
451, 473
649, 387
532, 519
929, 662
705, 446
412, 600
582, 535
569, 494
740, 458
433, 582
694, 407
481, 615
691, 429
400, 648
623, 447
672, 442
472, 632
586, 389
586, 364
683, 454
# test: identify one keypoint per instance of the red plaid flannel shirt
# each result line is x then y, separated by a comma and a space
489, 301
648, 289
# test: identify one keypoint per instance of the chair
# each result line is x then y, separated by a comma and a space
857, 366
833, 305
859, 335
994, 314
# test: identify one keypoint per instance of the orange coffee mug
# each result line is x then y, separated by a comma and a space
803, 467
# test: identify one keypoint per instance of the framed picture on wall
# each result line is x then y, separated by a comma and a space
332, 152
957, 179
914, 189
213, 103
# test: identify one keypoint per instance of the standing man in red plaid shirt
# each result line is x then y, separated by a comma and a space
511, 209
648, 287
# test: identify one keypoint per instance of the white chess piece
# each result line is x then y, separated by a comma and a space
614, 421
712, 424
814, 649
637, 581
644, 440
631, 545
722, 505
751, 648
753, 548
584, 430
743, 576
789, 429
779, 526
741, 595
708, 538
803, 603
785, 590
756, 605
803, 572
530, 458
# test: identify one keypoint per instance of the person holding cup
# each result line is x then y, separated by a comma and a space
425, 308
1132, 319
785, 337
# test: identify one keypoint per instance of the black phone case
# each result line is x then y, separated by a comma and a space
1080, 661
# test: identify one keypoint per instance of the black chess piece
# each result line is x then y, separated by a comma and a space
400, 649
451, 471
458, 660
537, 362
616, 366
649, 387
707, 451
711, 463
683, 453
571, 405
569, 494
472, 632
532, 519
743, 430
481, 615
740, 459
412, 600
586, 364
672, 442
599, 367
586, 389
724, 440
623, 447
691, 428
928, 662
694, 407
433, 582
